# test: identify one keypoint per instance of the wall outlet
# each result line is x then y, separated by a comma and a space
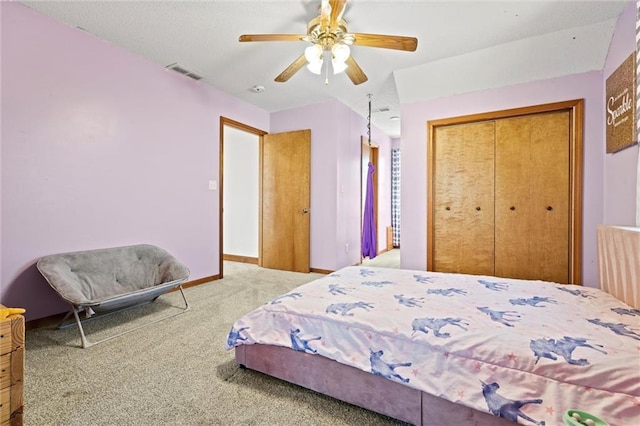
346, 248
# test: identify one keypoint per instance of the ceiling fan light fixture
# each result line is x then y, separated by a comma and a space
313, 54
340, 52
339, 66
315, 67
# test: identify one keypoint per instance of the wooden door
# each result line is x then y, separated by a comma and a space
463, 199
286, 160
537, 193
532, 197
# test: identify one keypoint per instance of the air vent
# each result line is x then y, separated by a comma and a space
382, 109
184, 71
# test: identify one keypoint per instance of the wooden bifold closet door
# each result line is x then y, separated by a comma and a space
532, 197
504, 194
463, 203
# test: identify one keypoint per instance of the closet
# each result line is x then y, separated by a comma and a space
504, 193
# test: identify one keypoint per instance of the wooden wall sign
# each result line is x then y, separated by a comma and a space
620, 106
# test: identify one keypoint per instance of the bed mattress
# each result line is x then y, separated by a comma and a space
523, 350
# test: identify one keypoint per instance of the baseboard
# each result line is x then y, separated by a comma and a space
378, 253
199, 281
44, 322
241, 259
55, 319
321, 271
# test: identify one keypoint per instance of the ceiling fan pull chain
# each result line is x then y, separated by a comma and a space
369, 120
326, 67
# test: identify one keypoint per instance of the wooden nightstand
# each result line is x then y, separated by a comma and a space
11, 370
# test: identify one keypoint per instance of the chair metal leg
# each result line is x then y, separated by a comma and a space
86, 343
62, 325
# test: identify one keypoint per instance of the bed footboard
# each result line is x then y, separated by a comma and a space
619, 262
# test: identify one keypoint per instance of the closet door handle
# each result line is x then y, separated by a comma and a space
478, 208
549, 208
512, 208
447, 208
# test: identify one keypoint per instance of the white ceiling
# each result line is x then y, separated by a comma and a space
463, 46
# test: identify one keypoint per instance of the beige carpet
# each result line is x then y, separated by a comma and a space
175, 372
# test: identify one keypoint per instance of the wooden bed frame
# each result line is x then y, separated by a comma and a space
618, 257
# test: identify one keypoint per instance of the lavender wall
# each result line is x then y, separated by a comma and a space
619, 168
609, 189
335, 178
2, 285
384, 189
101, 148
324, 122
415, 116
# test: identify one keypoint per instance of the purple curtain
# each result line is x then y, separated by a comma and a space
369, 240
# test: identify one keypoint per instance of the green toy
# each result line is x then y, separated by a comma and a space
580, 418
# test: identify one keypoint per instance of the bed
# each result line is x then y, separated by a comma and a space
435, 348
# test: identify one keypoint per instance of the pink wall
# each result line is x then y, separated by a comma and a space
588, 86
619, 168
101, 148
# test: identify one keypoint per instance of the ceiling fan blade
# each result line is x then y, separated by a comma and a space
272, 37
386, 41
291, 69
337, 9
354, 72
325, 12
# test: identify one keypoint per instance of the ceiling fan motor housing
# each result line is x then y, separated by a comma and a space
325, 36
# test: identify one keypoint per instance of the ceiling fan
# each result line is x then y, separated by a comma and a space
330, 43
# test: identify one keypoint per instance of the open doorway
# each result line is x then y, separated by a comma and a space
368, 219
386, 202
264, 214
239, 192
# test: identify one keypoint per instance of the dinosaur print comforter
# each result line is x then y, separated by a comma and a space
523, 350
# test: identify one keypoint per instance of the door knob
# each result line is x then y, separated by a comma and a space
478, 208
305, 210
512, 208
549, 208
